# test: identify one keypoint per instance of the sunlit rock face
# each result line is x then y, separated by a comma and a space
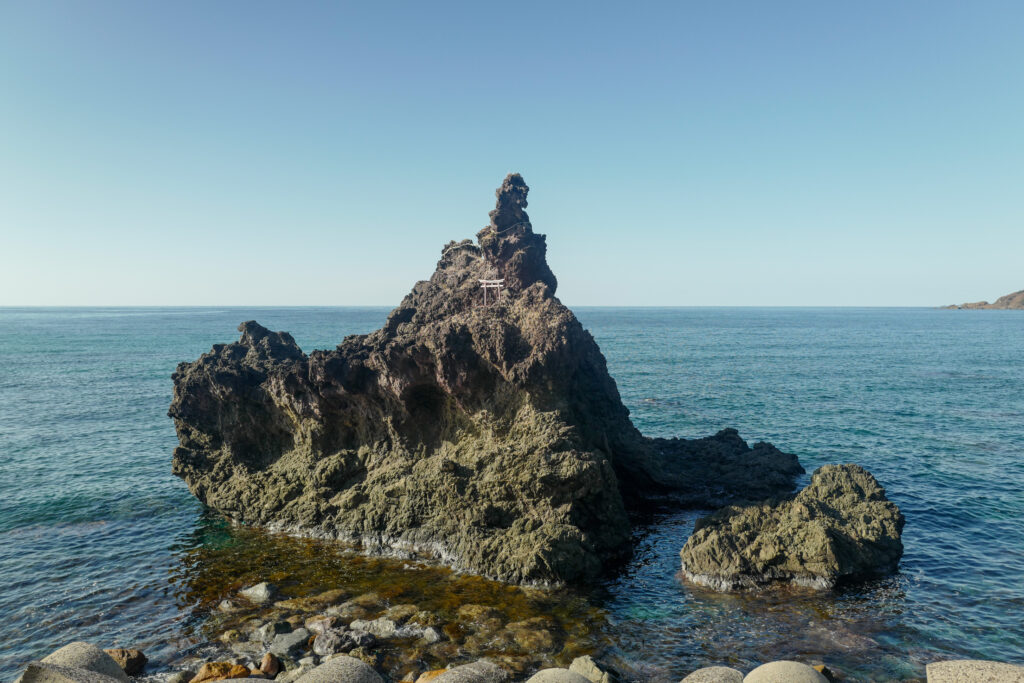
490, 437
841, 527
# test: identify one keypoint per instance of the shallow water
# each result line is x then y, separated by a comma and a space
99, 542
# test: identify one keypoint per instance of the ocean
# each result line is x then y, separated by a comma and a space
99, 542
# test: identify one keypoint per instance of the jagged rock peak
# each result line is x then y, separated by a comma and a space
514, 252
509, 209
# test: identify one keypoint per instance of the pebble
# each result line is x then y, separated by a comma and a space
270, 664
260, 593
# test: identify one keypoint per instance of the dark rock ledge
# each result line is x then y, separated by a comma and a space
491, 438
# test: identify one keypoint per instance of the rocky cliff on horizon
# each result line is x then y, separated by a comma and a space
1013, 301
489, 437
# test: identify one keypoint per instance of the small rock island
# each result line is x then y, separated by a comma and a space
478, 427
1013, 302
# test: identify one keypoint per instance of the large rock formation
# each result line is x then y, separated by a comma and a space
1013, 301
841, 526
489, 437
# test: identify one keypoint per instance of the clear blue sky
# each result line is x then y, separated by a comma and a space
679, 153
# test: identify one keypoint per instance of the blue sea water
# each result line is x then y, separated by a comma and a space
94, 528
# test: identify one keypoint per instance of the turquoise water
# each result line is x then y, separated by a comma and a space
96, 534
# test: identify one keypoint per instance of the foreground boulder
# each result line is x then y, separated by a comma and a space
840, 527
490, 437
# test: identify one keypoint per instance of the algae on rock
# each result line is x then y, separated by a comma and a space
840, 527
489, 437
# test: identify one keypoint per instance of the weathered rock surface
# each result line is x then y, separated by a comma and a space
974, 671
714, 674
1013, 301
480, 671
488, 437
79, 655
342, 670
784, 672
41, 672
557, 676
841, 526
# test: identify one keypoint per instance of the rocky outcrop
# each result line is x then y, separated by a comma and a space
841, 526
1013, 301
489, 437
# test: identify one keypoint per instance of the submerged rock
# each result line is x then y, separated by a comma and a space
130, 660
490, 437
840, 527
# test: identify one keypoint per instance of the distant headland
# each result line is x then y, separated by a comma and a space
1013, 301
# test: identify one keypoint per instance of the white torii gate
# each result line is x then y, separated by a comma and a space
496, 285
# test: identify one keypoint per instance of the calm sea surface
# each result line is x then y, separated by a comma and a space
99, 542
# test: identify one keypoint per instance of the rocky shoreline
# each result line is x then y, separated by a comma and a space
330, 648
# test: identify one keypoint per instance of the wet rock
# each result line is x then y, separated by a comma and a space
342, 670
476, 614
270, 664
557, 676
401, 613
181, 676
290, 644
840, 527
334, 641
381, 627
348, 611
488, 436
219, 671
314, 602
974, 670
784, 672
79, 655
270, 630
588, 668
228, 606
40, 672
260, 594
427, 618
318, 625
432, 635
131, 661
534, 635
480, 671
714, 674
232, 635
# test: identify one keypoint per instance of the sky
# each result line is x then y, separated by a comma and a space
791, 153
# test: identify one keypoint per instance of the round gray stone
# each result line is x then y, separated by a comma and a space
557, 676
81, 655
38, 672
342, 670
715, 674
784, 672
974, 671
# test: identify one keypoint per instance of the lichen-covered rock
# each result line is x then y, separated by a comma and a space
841, 526
491, 438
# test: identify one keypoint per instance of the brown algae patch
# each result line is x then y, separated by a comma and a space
521, 628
